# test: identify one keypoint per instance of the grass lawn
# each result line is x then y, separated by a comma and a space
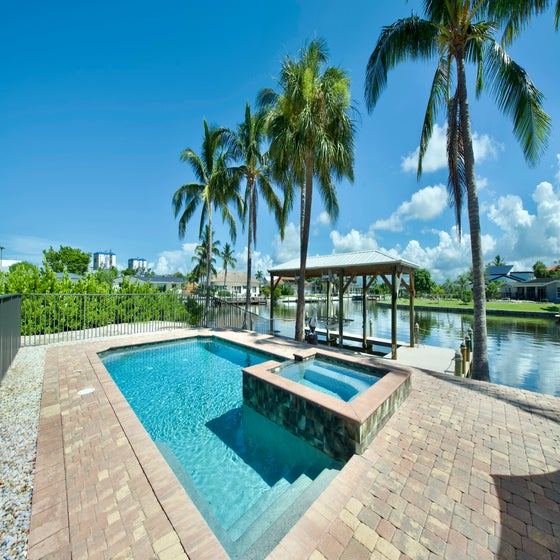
528, 306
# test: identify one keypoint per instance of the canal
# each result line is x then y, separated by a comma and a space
522, 353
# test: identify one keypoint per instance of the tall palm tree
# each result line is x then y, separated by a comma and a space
454, 32
228, 259
246, 148
213, 189
311, 139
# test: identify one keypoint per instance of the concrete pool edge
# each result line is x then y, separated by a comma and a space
339, 429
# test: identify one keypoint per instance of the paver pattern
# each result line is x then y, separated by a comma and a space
462, 470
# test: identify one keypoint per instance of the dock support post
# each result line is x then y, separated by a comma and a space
458, 363
464, 359
364, 313
394, 313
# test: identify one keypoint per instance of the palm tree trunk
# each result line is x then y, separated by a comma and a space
306, 196
480, 369
208, 268
249, 254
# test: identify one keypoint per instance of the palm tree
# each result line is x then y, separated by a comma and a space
201, 253
228, 259
453, 32
213, 190
246, 148
311, 139
498, 261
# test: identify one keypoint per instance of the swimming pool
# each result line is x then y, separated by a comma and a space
328, 377
242, 471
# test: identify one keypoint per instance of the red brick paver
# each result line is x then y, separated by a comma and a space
462, 470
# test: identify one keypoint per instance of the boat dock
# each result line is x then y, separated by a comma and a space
421, 356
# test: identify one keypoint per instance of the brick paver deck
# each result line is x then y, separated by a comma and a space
462, 470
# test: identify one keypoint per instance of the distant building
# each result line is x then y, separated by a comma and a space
162, 283
70, 275
541, 289
236, 283
138, 264
104, 260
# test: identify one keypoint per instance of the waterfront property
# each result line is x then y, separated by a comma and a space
463, 469
541, 289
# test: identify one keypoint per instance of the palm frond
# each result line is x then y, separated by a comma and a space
439, 94
515, 15
409, 38
456, 182
518, 98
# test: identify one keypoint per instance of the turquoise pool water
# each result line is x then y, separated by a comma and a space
235, 464
328, 377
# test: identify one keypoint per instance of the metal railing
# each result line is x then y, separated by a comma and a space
47, 318
224, 314
10, 321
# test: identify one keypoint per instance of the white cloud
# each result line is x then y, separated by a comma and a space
509, 214
352, 241
323, 219
529, 237
425, 204
170, 262
260, 261
450, 257
287, 249
435, 157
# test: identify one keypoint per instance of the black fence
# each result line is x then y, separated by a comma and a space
10, 328
47, 318
36, 319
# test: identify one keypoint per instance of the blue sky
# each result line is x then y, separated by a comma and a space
97, 101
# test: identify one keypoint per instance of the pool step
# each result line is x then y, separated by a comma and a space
280, 492
356, 381
270, 527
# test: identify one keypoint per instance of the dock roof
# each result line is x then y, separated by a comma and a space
358, 263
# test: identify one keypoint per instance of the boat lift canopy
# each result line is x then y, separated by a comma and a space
345, 267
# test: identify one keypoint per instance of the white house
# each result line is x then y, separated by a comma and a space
236, 283
162, 283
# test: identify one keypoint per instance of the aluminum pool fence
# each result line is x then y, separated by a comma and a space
10, 321
47, 318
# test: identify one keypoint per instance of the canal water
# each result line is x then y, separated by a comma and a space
522, 353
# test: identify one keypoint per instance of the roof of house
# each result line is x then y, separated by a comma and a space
162, 279
233, 277
538, 283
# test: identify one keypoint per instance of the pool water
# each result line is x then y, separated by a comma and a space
232, 461
328, 377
